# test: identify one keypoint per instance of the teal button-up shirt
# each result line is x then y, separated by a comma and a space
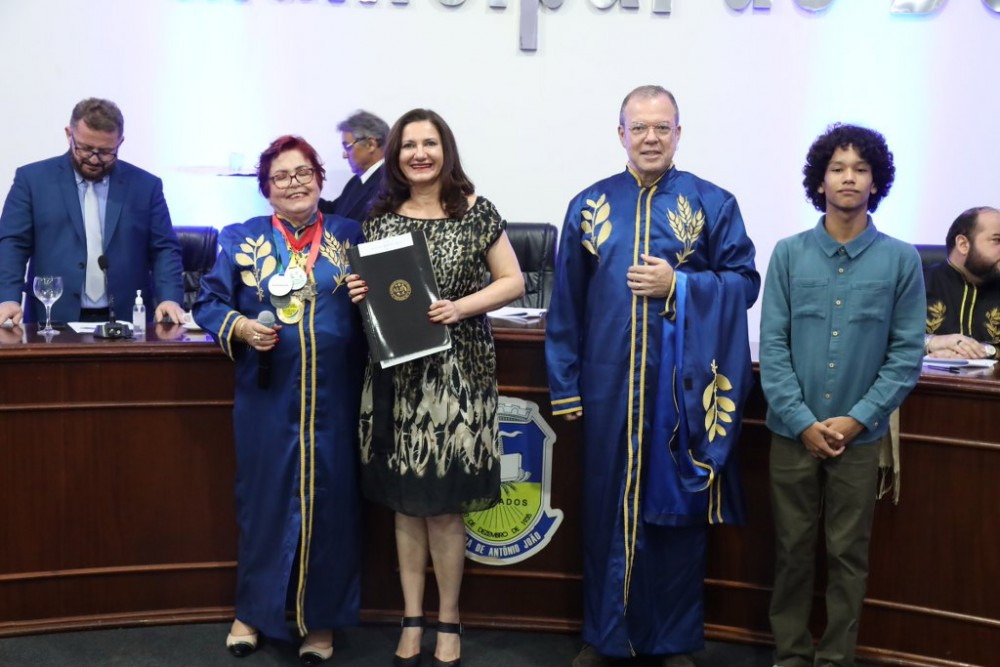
842, 330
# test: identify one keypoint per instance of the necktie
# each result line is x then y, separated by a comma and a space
94, 286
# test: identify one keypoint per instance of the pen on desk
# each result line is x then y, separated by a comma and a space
950, 369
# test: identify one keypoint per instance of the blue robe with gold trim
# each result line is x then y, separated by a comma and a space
661, 383
297, 495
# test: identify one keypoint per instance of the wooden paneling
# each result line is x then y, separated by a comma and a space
116, 471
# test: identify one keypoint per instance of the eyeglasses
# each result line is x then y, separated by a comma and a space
284, 180
104, 155
641, 129
349, 146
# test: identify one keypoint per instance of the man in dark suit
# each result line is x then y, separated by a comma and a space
63, 213
363, 137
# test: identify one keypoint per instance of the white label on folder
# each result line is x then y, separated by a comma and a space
385, 245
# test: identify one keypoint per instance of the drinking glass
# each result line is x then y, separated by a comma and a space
48, 289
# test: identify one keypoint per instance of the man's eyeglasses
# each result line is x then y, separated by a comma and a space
104, 155
641, 129
284, 180
349, 146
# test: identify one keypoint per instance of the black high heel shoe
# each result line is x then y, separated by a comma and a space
452, 628
413, 660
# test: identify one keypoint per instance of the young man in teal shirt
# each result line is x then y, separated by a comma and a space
841, 342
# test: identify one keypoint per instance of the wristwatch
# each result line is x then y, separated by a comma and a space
991, 350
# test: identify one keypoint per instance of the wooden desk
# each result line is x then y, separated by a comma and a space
116, 473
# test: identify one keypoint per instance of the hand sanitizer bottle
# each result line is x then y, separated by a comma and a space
138, 315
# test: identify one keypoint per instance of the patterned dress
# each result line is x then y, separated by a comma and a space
444, 454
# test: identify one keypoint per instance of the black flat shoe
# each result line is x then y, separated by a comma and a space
241, 645
413, 660
451, 628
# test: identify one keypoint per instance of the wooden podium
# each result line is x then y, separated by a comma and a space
116, 474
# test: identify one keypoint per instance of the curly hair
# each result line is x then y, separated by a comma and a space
869, 144
281, 145
395, 189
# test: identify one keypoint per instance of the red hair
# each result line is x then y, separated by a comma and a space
283, 144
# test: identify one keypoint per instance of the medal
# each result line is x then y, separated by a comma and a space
291, 313
280, 301
307, 292
297, 276
279, 285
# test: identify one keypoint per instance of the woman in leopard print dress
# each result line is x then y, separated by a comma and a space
433, 453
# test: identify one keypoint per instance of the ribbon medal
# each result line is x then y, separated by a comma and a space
279, 285
297, 276
291, 313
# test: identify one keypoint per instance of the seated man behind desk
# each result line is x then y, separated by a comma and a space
363, 137
64, 213
963, 293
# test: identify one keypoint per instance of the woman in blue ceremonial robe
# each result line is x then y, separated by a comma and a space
298, 388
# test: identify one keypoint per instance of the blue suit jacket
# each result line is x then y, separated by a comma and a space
42, 222
356, 197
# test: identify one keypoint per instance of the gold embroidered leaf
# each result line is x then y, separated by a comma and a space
719, 430
268, 266
243, 260
587, 215
259, 241
591, 203
726, 404
683, 207
723, 383
600, 202
711, 434
586, 228
246, 247
265, 248
699, 222
603, 235
708, 423
248, 278
589, 246
724, 417
706, 398
602, 214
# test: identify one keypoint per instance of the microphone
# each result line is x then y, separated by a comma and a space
102, 262
266, 318
111, 328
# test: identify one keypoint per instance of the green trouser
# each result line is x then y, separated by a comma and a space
843, 489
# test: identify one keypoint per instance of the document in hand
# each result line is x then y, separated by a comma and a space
401, 288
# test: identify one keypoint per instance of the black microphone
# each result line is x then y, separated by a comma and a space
266, 318
102, 262
111, 328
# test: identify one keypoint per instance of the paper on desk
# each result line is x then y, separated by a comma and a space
960, 363
83, 327
509, 312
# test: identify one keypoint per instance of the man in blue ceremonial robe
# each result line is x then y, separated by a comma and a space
646, 343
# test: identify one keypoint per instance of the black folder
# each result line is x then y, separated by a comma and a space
401, 288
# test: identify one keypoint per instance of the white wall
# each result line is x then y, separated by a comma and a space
198, 80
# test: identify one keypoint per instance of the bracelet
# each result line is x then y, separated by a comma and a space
927, 343
240, 328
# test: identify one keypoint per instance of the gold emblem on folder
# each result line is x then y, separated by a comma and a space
400, 290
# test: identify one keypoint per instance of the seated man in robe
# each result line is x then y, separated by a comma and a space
963, 292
